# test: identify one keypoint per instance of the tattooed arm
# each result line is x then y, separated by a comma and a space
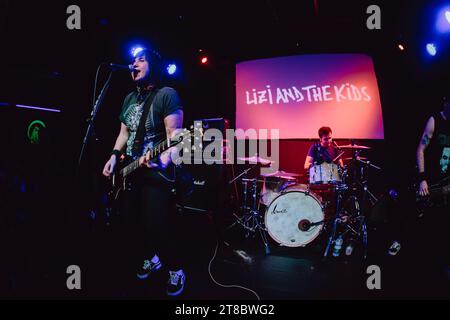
424, 142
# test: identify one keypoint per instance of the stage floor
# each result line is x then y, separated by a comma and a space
38, 269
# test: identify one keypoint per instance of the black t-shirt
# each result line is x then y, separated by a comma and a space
321, 154
165, 102
437, 155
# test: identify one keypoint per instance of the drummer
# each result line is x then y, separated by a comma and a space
324, 150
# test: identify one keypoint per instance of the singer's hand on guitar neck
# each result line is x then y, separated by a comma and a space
163, 160
144, 161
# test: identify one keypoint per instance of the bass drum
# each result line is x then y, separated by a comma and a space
295, 218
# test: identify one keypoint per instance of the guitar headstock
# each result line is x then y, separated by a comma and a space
187, 136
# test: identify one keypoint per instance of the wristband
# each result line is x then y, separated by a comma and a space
117, 153
422, 176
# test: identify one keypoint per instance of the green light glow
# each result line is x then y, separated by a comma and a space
33, 131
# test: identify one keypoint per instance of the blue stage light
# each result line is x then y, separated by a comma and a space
171, 69
136, 50
443, 20
431, 49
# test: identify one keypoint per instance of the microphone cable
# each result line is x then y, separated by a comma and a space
225, 285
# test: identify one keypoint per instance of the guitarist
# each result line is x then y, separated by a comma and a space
150, 115
433, 164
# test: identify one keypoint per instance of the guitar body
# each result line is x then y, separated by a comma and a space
122, 179
438, 197
119, 183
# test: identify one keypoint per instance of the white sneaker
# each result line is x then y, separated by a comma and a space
149, 266
394, 248
175, 286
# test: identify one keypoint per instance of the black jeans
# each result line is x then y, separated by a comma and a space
147, 221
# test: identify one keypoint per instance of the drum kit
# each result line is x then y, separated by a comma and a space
331, 206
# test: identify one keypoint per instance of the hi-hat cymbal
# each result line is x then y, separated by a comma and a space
354, 146
251, 180
281, 174
288, 177
257, 159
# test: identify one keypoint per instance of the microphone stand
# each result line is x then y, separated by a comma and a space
369, 164
93, 204
90, 129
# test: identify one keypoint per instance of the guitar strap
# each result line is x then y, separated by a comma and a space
139, 139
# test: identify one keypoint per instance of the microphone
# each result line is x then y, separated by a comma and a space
119, 67
336, 145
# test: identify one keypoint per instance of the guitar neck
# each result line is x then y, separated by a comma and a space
438, 191
154, 152
161, 147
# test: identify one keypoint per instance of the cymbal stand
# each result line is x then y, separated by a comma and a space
251, 220
356, 221
336, 220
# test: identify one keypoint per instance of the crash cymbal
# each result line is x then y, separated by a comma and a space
256, 160
281, 174
354, 147
358, 158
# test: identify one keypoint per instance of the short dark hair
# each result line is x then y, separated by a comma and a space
149, 54
324, 131
155, 61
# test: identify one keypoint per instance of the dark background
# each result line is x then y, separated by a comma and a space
44, 64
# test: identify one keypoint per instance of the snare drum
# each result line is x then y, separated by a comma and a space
325, 173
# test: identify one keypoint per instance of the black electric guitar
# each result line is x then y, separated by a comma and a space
122, 178
437, 192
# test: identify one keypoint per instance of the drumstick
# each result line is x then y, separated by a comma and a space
340, 155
